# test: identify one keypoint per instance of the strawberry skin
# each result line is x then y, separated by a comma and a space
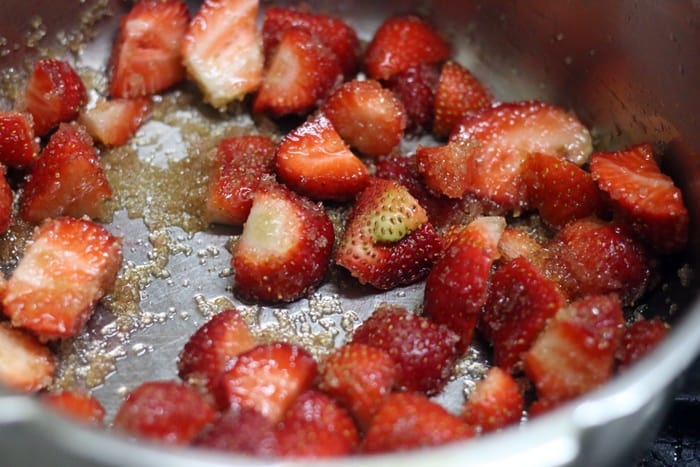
26, 365
76, 405
113, 122
18, 147
240, 430
6, 200
640, 338
416, 87
496, 402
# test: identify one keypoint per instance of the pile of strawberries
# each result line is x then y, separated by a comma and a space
549, 301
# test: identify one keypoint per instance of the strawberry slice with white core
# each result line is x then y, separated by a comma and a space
26, 365
113, 122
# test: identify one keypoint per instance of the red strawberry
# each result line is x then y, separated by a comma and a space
68, 267
113, 122
239, 166
313, 160
222, 50
521, 300
416, 87
458, 93
300, 73
368, 117
647, 199
388, 240
55, 93
411, 420
360, 377
285, 247
166, 411
424, 351
18, 147
77, 405
268, 378
402, 42
240, 430
6, 200
26, 364
640, 338
495, 402
515, 242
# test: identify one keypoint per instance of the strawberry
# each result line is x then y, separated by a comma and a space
409, 421
55, 93
77, 405
69, 265
113, 122
520, 302
167, 411
18, 147
240, 430
388, 240
360, 377
68, 179
457, 286
268, 378
576, 351
648, 200
222, 50
458, 93
495, 402
368, 117
239, 166
424, 351
516, 242
26, 365
640, 338
416, 87
285, 247
6, 200
313, 160
402, 42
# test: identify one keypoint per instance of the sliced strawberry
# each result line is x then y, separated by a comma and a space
6, 200
409, 421
18, 147
239, 166
77, 405
368, 117
647, 199
285, 248
458, 94
496, 402
240, 430
68, 267
416, 87
68, 179
402, 42
26, 365
516, 242
268, 378
113, 122
313, 160
222, 50
300, 72
167, 411
424, 351
640, 338
55, 93
388, 240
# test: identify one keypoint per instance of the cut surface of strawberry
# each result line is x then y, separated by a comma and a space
113, 122
18, 147
415, 88
640, 338
76, 405
496, 402
26, 365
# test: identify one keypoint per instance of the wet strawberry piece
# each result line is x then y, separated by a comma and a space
516, 242
496, 402
76, 405
113, 122
640, 338
240, 430
6, 199
26, 365
416, 88
18, 147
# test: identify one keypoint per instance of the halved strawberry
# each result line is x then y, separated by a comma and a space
424, 351
388, 240
285, 248
496, 402
69, 265
240, 430
222, 50
113, 122
402, 42
26, 365
55, 93
67, 180
648, 200
313, 160
368, 117
640, 338
18, 147
6, 200
416, 87
76, 405
239, 166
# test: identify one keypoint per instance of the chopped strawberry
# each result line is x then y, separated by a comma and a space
458, 94
68, 179
648, 200
222, 50
68, 267
285, 248
496, 402
239, 166
388, 240
416, 87
424, 351
55, 93
640, 338
521, 300
18, 147
313, 160
369, 117
300, 73
268, 378
409, 421
516, 242
77, 405
402, 42
6, 200
113, 122
167, 411
360, 377
240, 430
26, 365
